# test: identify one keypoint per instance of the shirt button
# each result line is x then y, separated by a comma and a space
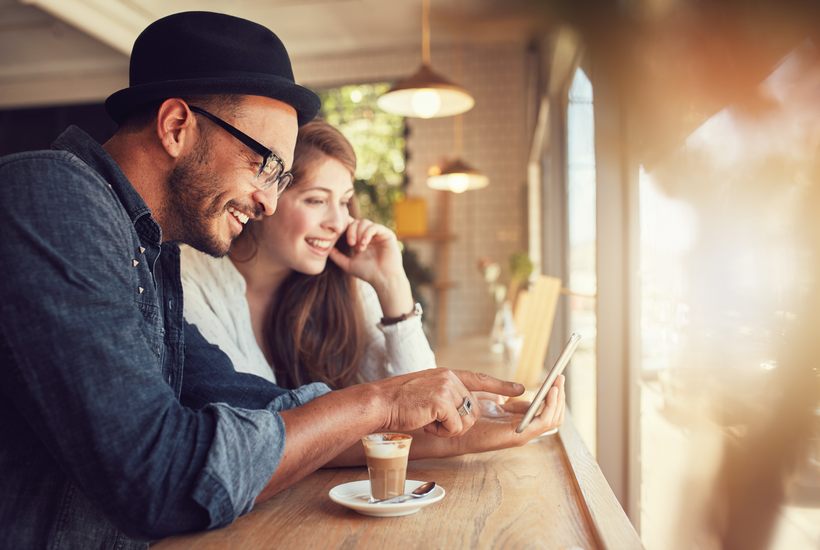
170, 305
142, 250
135, 263
140, 289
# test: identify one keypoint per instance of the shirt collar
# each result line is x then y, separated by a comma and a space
79, 143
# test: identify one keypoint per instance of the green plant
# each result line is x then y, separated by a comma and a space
379, 141
521, 268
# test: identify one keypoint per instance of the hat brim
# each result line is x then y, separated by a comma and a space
120, 104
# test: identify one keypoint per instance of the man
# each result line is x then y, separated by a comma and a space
98, 450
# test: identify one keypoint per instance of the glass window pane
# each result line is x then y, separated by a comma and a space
582, 279
729, 423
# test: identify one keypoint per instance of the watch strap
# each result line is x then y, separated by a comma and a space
415, 312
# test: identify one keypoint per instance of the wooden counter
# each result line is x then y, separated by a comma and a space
548, 494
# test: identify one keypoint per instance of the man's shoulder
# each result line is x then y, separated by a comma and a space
54, 173
57, 192
59, 158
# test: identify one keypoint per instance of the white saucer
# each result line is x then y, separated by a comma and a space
356, 496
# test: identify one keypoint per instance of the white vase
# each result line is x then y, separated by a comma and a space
504, 333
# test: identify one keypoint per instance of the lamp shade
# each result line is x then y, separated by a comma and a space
426, 94
457, 176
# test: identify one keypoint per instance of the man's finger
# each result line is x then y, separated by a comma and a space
448, 425
476, 381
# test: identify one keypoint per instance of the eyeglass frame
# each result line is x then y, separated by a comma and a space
267, 155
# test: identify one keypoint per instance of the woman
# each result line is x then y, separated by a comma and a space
279, 309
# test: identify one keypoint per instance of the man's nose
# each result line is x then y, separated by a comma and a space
267, 200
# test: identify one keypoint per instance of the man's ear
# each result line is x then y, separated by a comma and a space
175, 123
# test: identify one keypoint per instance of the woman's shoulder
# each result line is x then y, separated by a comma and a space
200, 269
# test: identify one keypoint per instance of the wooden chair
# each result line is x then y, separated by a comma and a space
534, 314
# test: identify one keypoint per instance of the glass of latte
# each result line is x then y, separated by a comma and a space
386, 463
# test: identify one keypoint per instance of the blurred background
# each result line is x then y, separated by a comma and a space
659, 158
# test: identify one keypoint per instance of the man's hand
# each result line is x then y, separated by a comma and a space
495, 429
430, 400
426, 401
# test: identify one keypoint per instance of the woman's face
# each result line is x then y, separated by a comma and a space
309, 219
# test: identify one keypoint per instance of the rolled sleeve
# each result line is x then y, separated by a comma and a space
299, 396
249, 436
246, 450
245, 453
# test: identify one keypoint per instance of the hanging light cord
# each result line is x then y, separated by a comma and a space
458, 123
458, 130
425, 31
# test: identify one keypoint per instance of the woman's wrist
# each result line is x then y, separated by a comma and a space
395, 296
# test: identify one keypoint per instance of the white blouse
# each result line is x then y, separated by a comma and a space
215, 301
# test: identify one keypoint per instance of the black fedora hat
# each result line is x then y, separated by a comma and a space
204, 53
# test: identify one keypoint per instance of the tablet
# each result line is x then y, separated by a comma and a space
559, 366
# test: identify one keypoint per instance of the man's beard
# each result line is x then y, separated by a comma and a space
192, 207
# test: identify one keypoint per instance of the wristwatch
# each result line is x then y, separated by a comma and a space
415, 312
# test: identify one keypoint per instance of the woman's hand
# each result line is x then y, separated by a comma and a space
376, 258
496, 428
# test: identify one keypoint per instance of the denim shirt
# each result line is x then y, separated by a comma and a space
99, 449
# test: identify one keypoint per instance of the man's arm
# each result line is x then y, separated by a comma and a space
210, 377
326, 431
83, 375
492, 431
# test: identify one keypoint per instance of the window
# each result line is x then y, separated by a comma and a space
582, 279
726, 248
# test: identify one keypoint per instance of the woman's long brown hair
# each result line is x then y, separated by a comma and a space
315, 330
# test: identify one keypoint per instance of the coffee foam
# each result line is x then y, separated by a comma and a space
387, 445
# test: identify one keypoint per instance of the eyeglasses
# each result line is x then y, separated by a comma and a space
271, 171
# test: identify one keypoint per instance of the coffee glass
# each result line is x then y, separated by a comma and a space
386, 455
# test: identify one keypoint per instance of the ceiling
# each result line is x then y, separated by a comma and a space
46, 36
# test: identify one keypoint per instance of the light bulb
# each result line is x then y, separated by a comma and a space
426, 103
458, 183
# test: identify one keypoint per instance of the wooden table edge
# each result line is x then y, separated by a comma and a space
610, 523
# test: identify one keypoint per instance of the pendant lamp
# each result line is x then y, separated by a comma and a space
426, 94
457, 176
454, 174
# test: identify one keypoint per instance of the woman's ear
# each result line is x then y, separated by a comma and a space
175, 124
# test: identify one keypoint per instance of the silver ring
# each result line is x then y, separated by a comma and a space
466, 407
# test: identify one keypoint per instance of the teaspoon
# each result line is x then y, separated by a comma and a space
422, 490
